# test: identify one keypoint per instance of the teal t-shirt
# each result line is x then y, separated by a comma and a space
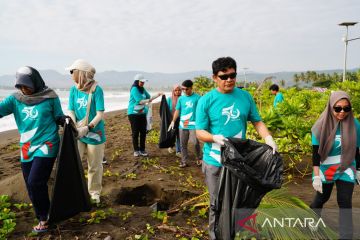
278, 98
187, 108
37, 126
329, 169
225, 114
78, 103
135, 97
169, 103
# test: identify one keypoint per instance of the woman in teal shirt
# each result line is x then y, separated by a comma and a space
336, 160
90, 127
172, 101
37, 113
137, 109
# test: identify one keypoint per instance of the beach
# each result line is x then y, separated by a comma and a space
130, 186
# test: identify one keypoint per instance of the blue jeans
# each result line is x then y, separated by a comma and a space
36, 175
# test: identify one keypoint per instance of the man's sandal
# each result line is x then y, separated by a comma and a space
41, 227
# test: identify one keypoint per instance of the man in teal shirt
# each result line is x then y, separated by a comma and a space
278, 95
185, 108
224, 112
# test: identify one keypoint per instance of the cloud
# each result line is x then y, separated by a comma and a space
173, 36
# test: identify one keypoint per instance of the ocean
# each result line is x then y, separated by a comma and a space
114, 100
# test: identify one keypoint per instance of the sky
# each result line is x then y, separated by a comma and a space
172, 36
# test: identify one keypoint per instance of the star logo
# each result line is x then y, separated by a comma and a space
189, 104
31, 112
230, 113
82, 102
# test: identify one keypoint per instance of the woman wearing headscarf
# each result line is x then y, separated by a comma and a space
88, 113
172, 101
37, 112
336, 160
137, 109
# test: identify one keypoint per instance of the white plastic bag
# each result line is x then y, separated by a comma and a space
149, 118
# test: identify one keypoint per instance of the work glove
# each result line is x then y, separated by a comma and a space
171, 126
219, 139
270, 141
317, 184
62, 119
358, 176
82, 131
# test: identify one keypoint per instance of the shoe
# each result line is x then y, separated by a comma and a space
136, 154
143, 153
170, 150
41, 227
104, 161
95, 198
178, 154
182, 165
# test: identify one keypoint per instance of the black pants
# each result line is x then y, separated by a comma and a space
344, 198
36, 175
138, 127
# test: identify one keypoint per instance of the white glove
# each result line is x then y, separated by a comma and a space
171, 126
82, 131
358, 176
219, 139
317, 184
270, 141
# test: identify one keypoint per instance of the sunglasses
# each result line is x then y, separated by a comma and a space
338, 109
227, 76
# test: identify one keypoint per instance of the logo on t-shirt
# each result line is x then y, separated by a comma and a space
30, 113
82, 102
189, 104
230, 113
338, 141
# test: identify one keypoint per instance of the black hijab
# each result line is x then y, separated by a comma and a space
31, 78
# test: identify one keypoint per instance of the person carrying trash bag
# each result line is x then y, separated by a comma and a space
250, 170
223, 112
336, 158
86, 109
37, 112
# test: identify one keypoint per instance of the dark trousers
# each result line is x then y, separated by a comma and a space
138, 127
185, 135
36, 175
344, 198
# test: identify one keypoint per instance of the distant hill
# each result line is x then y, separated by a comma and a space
115, 79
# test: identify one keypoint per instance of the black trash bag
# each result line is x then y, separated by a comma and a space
70, 195
250, 171
167, 138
